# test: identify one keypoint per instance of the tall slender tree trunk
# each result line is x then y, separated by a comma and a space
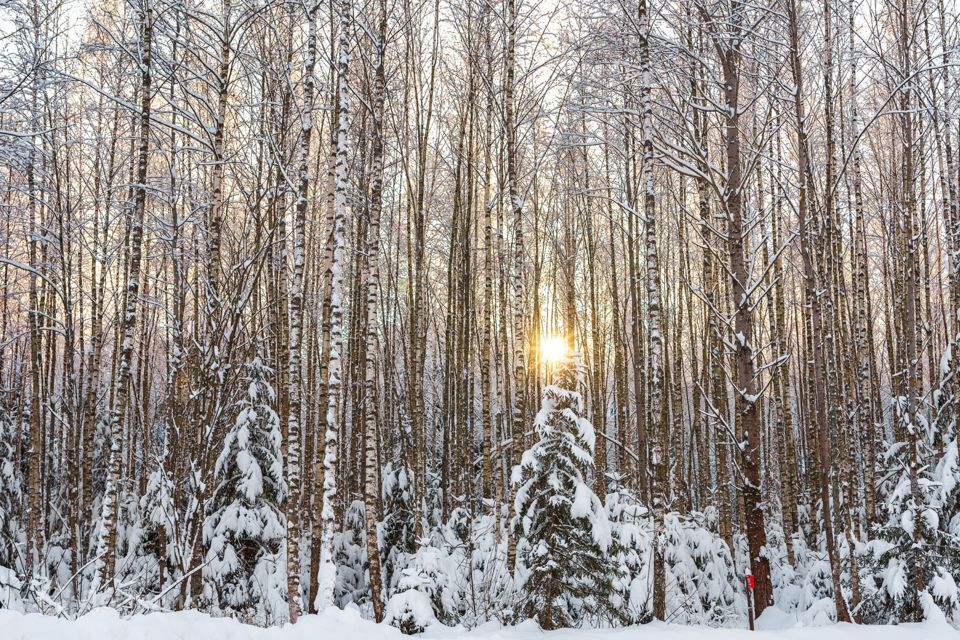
327, 572
105, 565
910, 378
294, 432
371, 482
745, 376
812, 296
656, 402
516, 205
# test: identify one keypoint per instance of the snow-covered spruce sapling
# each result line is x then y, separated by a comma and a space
10, 492
913, 557
630, 545
565, 572
244, 529
350, 555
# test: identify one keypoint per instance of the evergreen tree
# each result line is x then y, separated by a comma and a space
11, 497
158, 538
945, 491
350, 556
630, 546
721, 600
945, 499
914, 558
244, 530
566, 573
436, 575
398, 524
701, 578
816, 596
410, 608
423, 593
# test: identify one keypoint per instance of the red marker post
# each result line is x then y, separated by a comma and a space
749, 578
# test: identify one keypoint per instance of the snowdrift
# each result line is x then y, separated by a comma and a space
336, 624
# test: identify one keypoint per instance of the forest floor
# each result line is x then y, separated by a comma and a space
105, 624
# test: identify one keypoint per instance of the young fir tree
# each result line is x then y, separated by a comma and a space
914, 559
425, 591
566, 574
11, 495
398, 522
945, 493
433, 583
244, 530
945, 500
158, 537
350, 555
914, 555
631, 543
721, 601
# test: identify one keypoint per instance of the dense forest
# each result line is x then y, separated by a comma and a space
589, 311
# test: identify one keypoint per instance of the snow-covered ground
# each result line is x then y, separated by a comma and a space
105, 624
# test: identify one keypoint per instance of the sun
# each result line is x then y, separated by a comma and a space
553, 349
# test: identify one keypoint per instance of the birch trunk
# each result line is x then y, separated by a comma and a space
105, 565
327, 572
